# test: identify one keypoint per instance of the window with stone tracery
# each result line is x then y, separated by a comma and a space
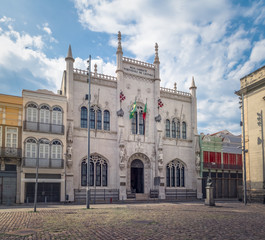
167, 128
138, 122
175, 172
98, 171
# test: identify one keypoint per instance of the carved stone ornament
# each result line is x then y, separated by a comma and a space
198, 163
120, 113
158, 118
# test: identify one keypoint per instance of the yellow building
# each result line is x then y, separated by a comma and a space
10, 147
252, 91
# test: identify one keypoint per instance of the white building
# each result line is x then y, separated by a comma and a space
130, 157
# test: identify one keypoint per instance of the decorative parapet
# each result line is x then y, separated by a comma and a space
95, 75
253, 77
139, 63
174, 91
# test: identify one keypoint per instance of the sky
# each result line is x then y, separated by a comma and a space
216, 41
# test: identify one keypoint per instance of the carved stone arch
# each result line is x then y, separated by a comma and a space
31, 102
57, 106
45, 104
146, 170
177, 161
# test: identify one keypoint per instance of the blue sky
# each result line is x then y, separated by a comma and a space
216, 41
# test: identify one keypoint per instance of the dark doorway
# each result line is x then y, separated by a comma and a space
137, 176
48, 191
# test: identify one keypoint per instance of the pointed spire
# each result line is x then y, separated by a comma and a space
175, 86
69, 54
193, 83
119, 49
156, 54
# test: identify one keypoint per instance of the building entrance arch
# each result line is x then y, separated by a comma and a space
139, 173
137, 176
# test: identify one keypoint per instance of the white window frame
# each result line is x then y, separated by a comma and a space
32, 113
31, 149
44, 114
56, 151
57, 116
12, 134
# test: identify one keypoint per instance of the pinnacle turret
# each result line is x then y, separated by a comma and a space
156, 54
193, 83
69, 54
119, 49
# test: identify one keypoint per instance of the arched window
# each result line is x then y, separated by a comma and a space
56, 150
98, 171
173, 129
178, 129
175, 174
44, 150
184, 130
167, 128
31, 148
106, 120
83, 117
57, 116
138, 121
99, 119
32, 112
92, 118
44, 114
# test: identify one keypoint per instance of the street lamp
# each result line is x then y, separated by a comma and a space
244, 147
37, 175
88, 133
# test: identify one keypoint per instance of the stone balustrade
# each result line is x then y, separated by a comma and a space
169, 90
144, 64
95, 75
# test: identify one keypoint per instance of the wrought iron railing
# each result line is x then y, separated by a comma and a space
10, 152
43, 163
43, 127
221, 166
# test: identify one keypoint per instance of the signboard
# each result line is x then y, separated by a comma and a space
139, 71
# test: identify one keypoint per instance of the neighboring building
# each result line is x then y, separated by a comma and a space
252, 90
130, 157
221, 159
10, 147
43, 144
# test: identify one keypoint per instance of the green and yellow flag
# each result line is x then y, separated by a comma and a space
133, 110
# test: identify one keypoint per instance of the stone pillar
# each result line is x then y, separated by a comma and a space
209, 201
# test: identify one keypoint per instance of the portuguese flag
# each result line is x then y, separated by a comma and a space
144, 114
133, 110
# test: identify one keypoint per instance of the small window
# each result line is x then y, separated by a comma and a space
99, 119
178, 129
44, 150
134, 123
141, 123
173, 129
167, 128
106, 120
83, 117
175, 172
184, 133
92, 118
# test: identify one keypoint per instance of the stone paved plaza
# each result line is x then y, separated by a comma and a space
227, 220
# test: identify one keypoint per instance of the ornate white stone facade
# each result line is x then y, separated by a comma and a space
119, 141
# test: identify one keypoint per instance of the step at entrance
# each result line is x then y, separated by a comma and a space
141, 196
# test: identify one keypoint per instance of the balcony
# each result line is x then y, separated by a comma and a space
222, 166
10, 152
43, 127
43, 163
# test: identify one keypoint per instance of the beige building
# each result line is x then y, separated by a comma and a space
252, 91
43, 145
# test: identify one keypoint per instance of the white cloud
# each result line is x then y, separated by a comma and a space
47, 29
22, 51
196, 38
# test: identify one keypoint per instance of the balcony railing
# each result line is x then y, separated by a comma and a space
43, 163
43, 127
221, 166
10, 152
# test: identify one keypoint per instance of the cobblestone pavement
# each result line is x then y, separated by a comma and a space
230, 220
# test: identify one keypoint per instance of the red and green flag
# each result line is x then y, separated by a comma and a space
144, 114
133, 110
